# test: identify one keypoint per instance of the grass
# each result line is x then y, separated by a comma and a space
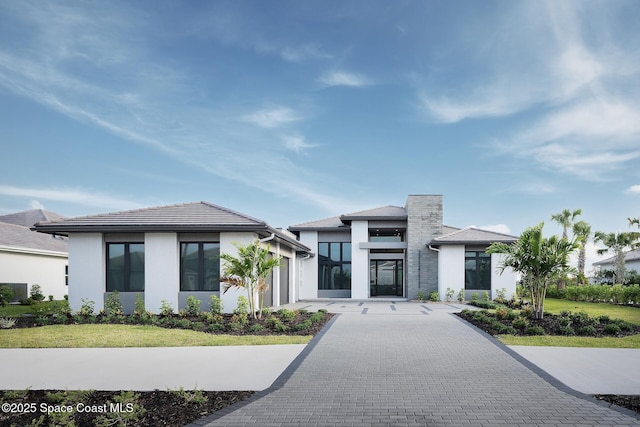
632, 341
17, 310
594, 309
101, 336
555, 306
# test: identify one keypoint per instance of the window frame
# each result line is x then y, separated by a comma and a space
342, 260
126, 282
201, 267
478, 257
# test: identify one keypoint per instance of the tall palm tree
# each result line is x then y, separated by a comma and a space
566, 219
540, 260
249, 270
633, 221
582, 230
619, 243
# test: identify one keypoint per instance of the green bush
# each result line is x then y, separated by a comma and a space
434, 296
316, 317
256, 328
6, 295
216, 305
242, 306
612, 329
165, 308
420, 296
303, 326
36, 293
534, 330
587, 330
139, 307
520, 323
287, 315
193, 306
485, 296
449, 294
112, 305
87, 308
461, 295
566, 330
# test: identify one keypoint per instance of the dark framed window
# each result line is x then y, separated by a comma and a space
377, 235
334, 265
200, 266
125, 267
477, 271
66, 275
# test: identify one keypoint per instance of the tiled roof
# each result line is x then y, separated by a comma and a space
381, 213
629, 256
30, 217
471, 235
322, 224
19, 237
186, 217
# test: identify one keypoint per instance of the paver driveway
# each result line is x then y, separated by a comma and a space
390, 364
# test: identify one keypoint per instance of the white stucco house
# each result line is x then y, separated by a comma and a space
631, 261
29, 258
168, 253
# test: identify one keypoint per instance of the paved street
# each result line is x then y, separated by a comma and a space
388, 364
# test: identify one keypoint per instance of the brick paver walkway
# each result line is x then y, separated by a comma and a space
390, 365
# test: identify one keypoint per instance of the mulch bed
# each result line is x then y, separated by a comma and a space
147, 409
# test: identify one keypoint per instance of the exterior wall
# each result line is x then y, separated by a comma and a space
227, 241
44, 269
161, 270
359, 260
308, 267
506, 280
450, 270
86, 269
424, 223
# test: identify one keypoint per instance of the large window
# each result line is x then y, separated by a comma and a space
200, 266
334, 266
477, 271
125, 267
386, 235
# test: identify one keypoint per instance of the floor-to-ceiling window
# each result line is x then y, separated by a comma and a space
386, 277
334, 266
477, 271
199, 266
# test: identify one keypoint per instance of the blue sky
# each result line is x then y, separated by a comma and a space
292, 111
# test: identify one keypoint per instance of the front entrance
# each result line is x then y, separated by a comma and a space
386, 277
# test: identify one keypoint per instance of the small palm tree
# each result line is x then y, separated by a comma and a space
249, 270
619, 243
566, 219
539, 260
582, 230
634, 221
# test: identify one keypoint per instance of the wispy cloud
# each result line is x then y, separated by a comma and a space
272, 117
296, 143
80, 197
634, 189
342, 78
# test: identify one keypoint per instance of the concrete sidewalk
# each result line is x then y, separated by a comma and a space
205, 368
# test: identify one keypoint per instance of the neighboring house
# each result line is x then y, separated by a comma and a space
168, 253
394, 251
631, 261
29, 258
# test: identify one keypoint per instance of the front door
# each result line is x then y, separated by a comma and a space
386, 277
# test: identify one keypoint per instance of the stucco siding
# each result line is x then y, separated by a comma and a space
450, 269
48, 271
359, 260
308, 277
161, 270
86, 269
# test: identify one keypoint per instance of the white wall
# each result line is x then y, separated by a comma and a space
506, 280
43, 268
308, 277
86, 269
359, 260
450, 270
227, 241
161, 270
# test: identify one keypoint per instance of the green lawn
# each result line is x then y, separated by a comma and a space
555, 306
77, 336
630, 314
17, 310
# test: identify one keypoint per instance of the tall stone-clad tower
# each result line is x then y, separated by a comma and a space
424, 222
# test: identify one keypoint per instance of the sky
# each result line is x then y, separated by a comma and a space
293, 111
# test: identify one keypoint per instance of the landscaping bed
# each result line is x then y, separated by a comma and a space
112, 408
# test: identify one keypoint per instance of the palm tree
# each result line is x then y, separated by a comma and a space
633, 221
540, 260
582, 230
566, 219
619, 243
249, 270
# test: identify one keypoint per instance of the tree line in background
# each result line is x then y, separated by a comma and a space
544, 261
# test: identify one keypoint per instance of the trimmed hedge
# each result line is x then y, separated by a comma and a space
616, 294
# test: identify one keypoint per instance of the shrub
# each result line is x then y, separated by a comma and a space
501, 295
112, 305
195, 396
7, 323
242, 319
215, 327
198, 326
129, 417
566, 330
242, 306
256, 328
534, 330
612, 329
520, 323
420, 296
235, 326
165, 308
87, 308
50, 297
36, 293
501, 313
323, 310
287, 315
587, 330
216, 305
303, 326
603, 319
434, 296
316, 317
485, 296
449, 294
526, 311
139, 308
475, 297
461, 295
6, 295
193, 306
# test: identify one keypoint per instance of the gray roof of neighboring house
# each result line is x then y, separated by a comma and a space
186, 217
31, 217
20, 237
383, 213
471, 236
629, 256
